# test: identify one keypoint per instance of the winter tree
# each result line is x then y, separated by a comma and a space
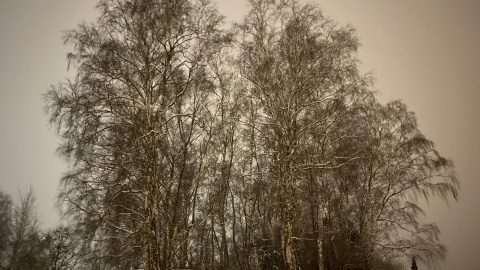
134, 124
5, 222
301, 70
259, 147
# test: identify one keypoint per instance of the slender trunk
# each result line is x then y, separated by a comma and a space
224, 251
288, 199
151, 248
288, 245
213, 241
234, 237
320, 240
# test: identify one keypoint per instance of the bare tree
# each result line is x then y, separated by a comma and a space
61, 249
24, 243
403, 165
189, 150
302, 70
5, 226
130, 122
372, 203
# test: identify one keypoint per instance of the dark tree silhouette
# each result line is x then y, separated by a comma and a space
414, 264
5, 227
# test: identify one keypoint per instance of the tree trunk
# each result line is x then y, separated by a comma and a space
288, 245
151, 247
319, 240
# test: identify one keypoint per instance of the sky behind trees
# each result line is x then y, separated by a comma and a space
423, 52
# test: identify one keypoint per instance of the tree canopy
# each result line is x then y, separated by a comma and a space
261, 146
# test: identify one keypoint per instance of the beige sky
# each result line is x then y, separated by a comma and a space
423, 52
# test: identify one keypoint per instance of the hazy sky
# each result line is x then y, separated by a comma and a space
426, 53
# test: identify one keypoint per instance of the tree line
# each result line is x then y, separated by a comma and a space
192, 145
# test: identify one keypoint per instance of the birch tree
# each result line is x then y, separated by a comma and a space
132, 125
402, 167
302, 70
257, 148
373, 202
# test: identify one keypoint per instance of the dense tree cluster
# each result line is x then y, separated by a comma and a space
192, 146
24, 246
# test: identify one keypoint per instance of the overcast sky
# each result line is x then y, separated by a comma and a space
426, 53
